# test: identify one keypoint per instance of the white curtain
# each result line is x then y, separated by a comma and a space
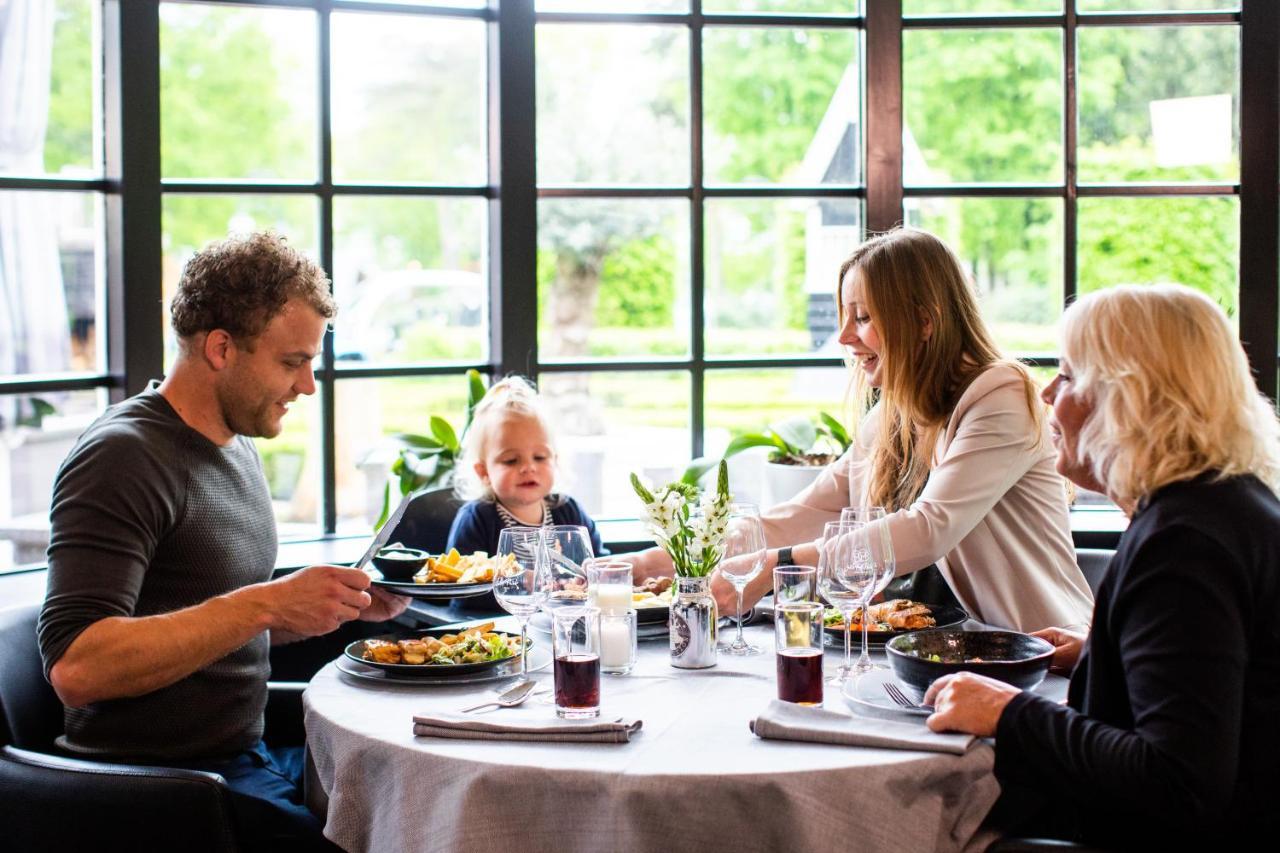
34, 333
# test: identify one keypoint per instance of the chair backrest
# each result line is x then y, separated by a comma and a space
1093, 564
427, 520
30, 713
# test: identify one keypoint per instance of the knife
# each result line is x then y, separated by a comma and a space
380, 540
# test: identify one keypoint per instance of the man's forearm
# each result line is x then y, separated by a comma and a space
122, 656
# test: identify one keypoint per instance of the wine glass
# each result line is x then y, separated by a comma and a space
520, 582
567, 549
862, 514
743, 560
868, 563
841, 588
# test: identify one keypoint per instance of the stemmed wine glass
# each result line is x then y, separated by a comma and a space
838, 586
862, 514
567, 548
743, 561
869, 564
520, 584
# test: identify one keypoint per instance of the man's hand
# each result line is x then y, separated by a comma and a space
316, 600
1066, 647
385, 605
967, 702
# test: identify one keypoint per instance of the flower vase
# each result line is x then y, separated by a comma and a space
693, 624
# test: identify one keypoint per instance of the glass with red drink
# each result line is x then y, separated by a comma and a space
575, 644
798, 630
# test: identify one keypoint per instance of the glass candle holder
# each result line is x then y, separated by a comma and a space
609, 586
618, 642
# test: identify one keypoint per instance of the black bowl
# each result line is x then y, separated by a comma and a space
400, 564
1017, 659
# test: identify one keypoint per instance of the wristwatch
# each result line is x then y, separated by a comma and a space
784, 556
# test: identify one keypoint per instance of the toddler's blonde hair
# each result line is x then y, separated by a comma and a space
513, 396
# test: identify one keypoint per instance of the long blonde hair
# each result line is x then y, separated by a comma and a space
1171, 390
512, 397
910, 277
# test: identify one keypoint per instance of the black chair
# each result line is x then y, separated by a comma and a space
50, 802
427, 520
1093, 563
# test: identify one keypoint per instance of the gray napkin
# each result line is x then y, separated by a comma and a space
466, 727
785, 721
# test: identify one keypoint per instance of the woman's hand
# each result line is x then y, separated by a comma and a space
1066, 647
649, 563
966, 702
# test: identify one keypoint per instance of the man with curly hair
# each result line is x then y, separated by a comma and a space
160, 607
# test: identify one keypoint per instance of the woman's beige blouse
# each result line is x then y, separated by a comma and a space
993, 514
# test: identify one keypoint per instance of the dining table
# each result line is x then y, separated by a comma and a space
694, 777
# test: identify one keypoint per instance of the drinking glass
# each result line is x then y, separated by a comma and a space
609, 585
862, 514
567, 548
868, 564
575, 643
743, 560
798, 631
520, 582
839, 587
794, 583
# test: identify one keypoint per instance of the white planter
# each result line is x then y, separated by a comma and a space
783, 482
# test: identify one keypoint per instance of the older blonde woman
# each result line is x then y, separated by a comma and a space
1171, 728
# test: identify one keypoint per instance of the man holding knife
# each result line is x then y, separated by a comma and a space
160, 607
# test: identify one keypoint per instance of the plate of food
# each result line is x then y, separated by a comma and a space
447, 576
438, 652
652, 600
894, 617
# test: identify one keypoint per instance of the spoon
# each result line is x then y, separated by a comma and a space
509, 698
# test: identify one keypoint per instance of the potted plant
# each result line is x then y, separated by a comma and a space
428, 461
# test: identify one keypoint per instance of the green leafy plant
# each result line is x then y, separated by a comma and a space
794, 441
428, 461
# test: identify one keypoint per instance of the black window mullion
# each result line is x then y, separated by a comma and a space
1071, 172
328, 388
697, 217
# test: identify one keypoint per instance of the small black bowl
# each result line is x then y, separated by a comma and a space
400, 564
1017, 659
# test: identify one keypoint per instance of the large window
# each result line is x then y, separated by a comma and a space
641, 203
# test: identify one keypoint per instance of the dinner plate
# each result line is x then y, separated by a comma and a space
431, 591
944, 615
539, 658
652, 615
865, 693
355, 652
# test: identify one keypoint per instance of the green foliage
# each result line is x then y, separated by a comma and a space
637, 284
69, 136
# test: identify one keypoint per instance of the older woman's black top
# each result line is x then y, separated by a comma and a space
1173, 726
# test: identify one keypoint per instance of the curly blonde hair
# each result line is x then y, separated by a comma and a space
513, 396
1171, 391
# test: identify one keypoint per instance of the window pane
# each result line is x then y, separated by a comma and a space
844, 6
408, 99
1191, 241
369, 413
291, 462
409, 277
982, 106
51, 280
233, 75
48, 116
791, 114
613, 104
609, 425
771, 273
612, 5
192, 221
458, 4
1159, 104
1012, 249
1155, 5
745, 401
612, 278
979, 7
36, 434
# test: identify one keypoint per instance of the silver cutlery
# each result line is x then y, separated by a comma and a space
901, 699
509, 698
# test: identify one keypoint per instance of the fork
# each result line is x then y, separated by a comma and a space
509, 698
901, 699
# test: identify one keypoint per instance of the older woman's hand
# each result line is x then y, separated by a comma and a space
1066, 647
965, 702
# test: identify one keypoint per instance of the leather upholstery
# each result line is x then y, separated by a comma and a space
427, 520
1093, 563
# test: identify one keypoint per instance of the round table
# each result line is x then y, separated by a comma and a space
694, 778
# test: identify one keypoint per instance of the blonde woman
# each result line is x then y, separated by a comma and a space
1169, 737
953, 445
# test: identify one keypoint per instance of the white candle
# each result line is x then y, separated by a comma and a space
612, 598
615, 642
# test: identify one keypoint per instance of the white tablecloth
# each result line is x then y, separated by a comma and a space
694, 778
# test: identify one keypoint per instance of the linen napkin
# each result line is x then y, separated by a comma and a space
466, 727
785, 721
